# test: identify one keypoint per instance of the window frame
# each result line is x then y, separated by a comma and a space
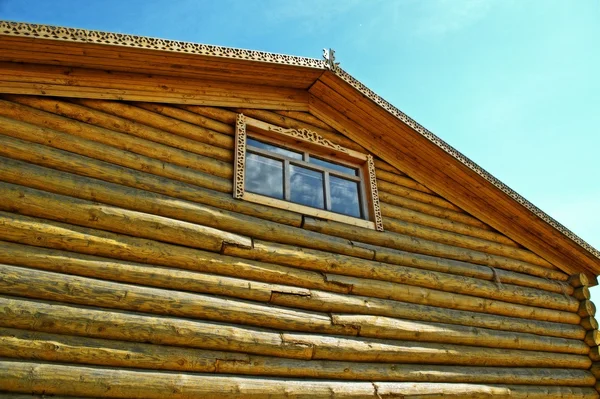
308, 143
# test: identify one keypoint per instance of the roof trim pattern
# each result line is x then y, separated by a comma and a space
8, 28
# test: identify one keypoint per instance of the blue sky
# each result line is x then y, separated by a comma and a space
513, 84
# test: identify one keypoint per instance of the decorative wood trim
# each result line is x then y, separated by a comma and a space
239, 161
308, 135
300, 139
8, 28
374, 194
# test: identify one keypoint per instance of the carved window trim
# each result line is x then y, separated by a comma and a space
314, 143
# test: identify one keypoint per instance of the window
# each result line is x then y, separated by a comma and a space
303, 172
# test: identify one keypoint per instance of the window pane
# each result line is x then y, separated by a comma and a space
344, 196
334, 166
306, 187
275, 149
264, 176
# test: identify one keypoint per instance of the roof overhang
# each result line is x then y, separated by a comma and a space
57, 61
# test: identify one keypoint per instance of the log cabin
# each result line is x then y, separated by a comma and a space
181, 220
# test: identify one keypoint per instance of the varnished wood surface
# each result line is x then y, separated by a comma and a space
121, 245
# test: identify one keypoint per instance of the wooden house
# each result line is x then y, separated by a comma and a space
188, 221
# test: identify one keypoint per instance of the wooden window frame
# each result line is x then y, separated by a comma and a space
307, 141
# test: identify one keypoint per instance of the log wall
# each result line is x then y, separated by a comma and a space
128, 270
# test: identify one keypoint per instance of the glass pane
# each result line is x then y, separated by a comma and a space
334, 166
277, 150
344, 196
264, 176
306, 187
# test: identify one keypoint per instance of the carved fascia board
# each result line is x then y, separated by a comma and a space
19, 29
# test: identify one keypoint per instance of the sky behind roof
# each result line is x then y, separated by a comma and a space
512, 84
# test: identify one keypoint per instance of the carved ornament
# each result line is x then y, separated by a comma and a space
309, 136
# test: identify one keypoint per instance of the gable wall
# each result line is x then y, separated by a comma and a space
111, 207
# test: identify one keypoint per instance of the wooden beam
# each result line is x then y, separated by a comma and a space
48, 80
178, 64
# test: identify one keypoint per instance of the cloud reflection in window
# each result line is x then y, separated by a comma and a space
306, 187
344, 196
264, 176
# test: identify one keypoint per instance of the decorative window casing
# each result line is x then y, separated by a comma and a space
305, 173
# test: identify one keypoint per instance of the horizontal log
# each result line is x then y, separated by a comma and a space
222, 115
595, 370
404, 181
21, 115
13, 232
310, 297
66, 184
391, 328
586, 308
90, 322
156, 117
196, 144
22, 344
498, 276
461, 240
408, 215
592, 338
408, 275
46, 205
48, 234
339, 303
6, 395
210, 122
433, 210
35, 377
595, 353
95, 151
20, 172
243, 225
62, 183
431, 199
168, 118
419, 245
59, 287
402, 292
589, 323
42, 285
582, 293
579, 280
379, 288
